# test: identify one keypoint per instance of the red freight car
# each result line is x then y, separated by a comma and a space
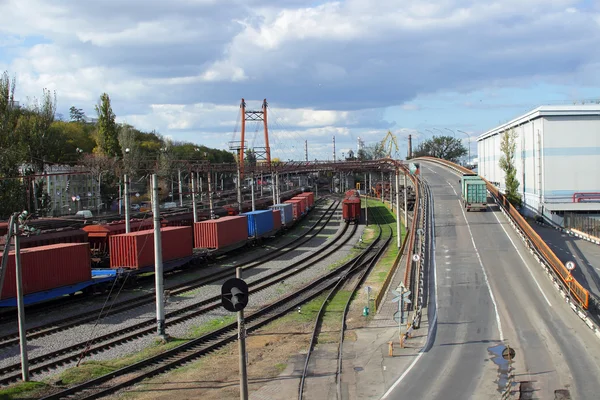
305, 205
56, 236
99, 235
352, 193
48, 267
276, 219
136, 249
296, 207
310, 196
351, 209
220, 233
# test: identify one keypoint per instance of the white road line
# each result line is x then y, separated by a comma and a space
522, 259
487, 282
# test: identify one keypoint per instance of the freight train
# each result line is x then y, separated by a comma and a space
52, 269
351, 206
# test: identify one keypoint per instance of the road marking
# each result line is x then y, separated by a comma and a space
487, 282
522, 259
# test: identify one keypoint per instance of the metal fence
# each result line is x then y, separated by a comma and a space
585, 223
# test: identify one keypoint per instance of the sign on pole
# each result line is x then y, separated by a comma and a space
416, 257
570, 265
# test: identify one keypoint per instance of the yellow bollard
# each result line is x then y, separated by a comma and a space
391, 349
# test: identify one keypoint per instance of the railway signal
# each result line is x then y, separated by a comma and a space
234, 295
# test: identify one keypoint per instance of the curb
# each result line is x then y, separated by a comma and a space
569, 232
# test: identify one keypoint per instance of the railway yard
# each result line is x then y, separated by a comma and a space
73, 340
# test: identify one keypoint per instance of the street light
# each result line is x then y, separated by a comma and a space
440, 131
453, 133
469, 136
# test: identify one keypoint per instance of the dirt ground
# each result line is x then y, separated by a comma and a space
216, 376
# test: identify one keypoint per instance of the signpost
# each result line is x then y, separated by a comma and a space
400, 316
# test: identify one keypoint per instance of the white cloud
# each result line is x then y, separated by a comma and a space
182, 66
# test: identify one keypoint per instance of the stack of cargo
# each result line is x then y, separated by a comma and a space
297, 207
54, 236
48, 267
310, 196
220, 233
276, 219
305, 203
287, 213
136, 249
99, 235
259, 222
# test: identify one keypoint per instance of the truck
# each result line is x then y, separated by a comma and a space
473, 192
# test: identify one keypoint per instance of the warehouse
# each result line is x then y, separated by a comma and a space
557, 159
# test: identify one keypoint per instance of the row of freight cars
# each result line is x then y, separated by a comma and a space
351, 206
473, 191
54, 270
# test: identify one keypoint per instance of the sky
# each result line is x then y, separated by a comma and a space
347, 69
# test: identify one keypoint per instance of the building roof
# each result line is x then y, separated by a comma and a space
545, 111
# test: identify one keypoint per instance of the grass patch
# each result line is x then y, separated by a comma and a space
22, 390
280, 367
211, 325
308, 312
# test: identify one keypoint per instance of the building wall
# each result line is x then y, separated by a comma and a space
555, 157
571, 157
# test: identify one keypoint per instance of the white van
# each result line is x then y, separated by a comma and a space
84, 214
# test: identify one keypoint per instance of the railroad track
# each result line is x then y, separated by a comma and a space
196, 348
353, 278
73, 353
90, 316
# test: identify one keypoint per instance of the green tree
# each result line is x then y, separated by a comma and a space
508, 147
444, 147
76, 114
108, 130
250, 157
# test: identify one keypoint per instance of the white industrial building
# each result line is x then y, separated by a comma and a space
557, 159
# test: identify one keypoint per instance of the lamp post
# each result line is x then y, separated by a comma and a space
469, 136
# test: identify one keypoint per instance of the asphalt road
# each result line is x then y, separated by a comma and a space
586, 255
491, 293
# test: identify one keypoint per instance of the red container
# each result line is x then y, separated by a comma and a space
304, 201
351, 209
296, 207
309, 196
351, 193
48, 267
222, 232
276, 219
136, 249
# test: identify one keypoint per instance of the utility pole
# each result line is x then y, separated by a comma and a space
277, 185
239, 187
127, 207
242, 347
20, 307
180, 189
306, 150
158, 261
11, 224
252, 191
194, 206
405, 201
398, 229
201, 189
210, 196
120, 198
391, 190
262, 183
366, 201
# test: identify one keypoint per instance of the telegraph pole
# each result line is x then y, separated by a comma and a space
20, 306
242, 347
127, 207
306, 150
252, 191
210, 196
334, 149
398, 229
405, 201
194, 206
239, 187
158, 261
180, 189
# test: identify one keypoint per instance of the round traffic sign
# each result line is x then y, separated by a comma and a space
416, 257
508, 353
570, 265
420, 232
137, 195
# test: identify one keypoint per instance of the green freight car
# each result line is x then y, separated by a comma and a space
473, 192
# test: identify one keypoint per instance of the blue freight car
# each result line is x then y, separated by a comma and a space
259, 223
287, 214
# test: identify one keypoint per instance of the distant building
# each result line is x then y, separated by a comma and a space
557, 159
70, 188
